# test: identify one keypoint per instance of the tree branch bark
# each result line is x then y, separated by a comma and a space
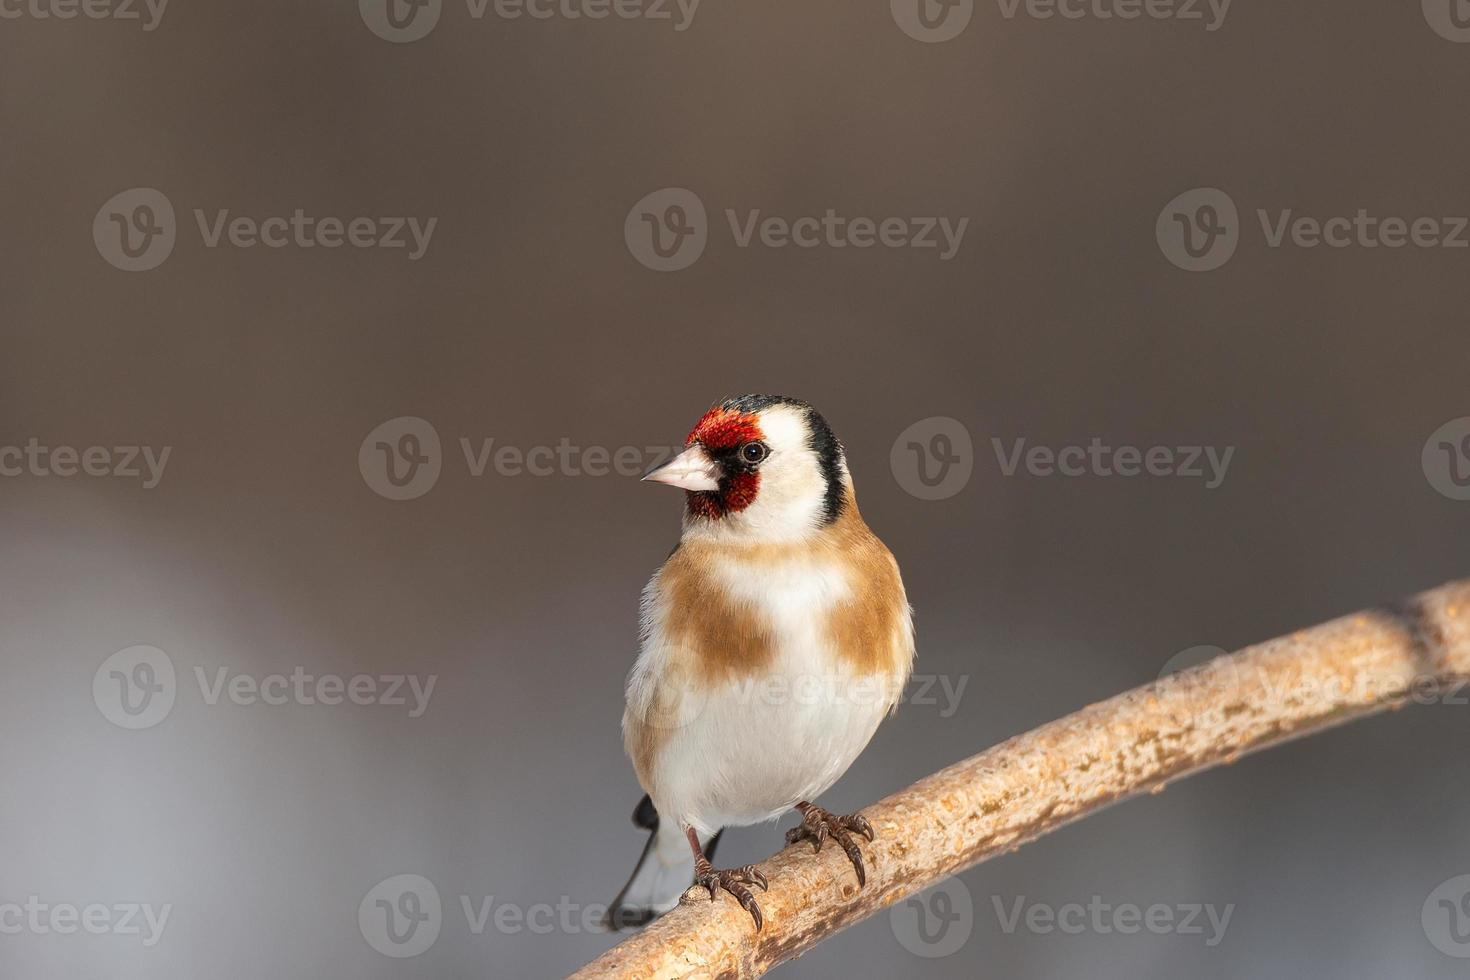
996, 801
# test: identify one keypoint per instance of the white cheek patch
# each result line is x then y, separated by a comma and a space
792, 490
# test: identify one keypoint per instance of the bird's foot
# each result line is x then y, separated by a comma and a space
817, 825
733, 881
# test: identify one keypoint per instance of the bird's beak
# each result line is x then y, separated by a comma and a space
690, 470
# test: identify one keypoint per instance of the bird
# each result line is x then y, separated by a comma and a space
773, 641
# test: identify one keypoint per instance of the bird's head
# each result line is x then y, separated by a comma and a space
760, 467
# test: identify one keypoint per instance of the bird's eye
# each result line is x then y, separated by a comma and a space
754, 452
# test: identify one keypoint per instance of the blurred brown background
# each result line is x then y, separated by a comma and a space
528, 320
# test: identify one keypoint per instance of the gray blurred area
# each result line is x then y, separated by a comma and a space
263, 549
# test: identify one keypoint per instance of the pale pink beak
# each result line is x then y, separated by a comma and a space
690, 470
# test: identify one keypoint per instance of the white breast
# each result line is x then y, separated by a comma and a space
751, 748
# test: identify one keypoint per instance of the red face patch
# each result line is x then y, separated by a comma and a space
722, 432
721, 429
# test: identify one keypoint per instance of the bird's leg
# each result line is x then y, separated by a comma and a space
732, 881
817, 825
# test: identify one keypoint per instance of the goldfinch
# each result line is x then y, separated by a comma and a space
774, 639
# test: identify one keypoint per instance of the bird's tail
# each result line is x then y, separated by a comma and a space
663, 873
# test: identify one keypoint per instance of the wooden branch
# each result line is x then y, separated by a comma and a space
1030, 785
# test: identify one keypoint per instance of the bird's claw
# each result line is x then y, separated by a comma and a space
733, 881
817, 825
